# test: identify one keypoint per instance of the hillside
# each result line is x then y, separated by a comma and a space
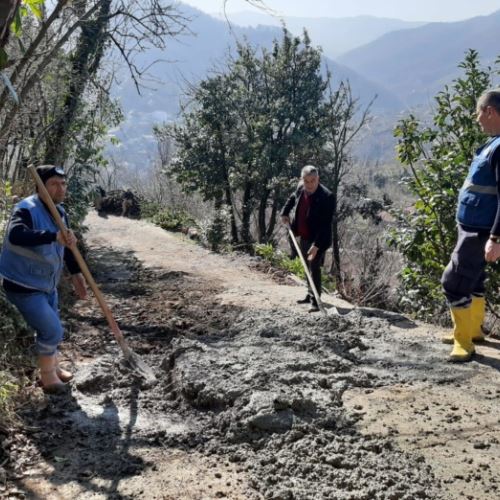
404, 68
416, 63
191, 58
335, 35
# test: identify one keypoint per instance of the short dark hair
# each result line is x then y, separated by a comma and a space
47, 171
490, 98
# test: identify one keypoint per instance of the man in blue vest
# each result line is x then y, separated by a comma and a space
312, 222
478, 217
33, 254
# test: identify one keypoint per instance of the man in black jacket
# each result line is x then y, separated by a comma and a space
312, 222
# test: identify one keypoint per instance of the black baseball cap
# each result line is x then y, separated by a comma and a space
47, 171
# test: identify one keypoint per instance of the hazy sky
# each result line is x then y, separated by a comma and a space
409, 10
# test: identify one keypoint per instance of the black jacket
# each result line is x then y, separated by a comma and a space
319, 218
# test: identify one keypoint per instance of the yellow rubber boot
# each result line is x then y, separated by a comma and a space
449, 338
463, 348
478, 311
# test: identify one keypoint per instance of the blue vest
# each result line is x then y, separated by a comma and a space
478, 199
38, 267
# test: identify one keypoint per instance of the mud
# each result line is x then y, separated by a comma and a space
252, 400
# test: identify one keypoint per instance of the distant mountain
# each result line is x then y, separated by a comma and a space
416, 63
335, 35
191, 58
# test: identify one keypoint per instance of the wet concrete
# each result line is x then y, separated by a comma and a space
266, 394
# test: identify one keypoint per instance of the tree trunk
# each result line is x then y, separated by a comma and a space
272, 220
85, 61
229, 203
262, 217
246, 213
8, 9
227, 191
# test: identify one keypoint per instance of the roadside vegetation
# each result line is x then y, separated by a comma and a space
281, 260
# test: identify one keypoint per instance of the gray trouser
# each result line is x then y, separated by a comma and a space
464, 275
314, 266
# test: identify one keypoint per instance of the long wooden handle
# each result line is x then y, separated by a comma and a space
306, 270
44, 195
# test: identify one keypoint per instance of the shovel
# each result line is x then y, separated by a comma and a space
308, 274
136, 363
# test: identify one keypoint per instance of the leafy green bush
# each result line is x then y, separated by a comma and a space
77, 200
149, 209
5, 206
279, 259
14, 334
173, 220
214, 230
267, 252
8, 388
15, 360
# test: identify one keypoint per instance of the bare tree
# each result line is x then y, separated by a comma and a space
343, 123
80, 34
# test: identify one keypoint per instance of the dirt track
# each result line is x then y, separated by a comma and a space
255, 397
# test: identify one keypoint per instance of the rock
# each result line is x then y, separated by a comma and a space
265, 416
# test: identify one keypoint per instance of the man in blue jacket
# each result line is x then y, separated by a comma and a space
33, 253
312, 223
478, 217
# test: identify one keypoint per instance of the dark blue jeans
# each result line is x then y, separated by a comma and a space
40, 310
